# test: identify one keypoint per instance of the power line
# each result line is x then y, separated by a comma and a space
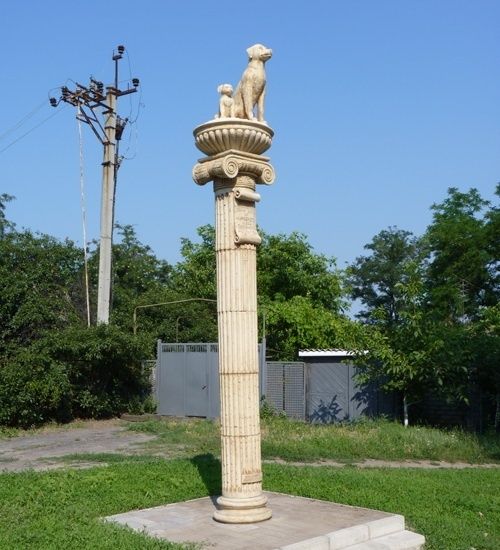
23, 120
84, 217
29, 131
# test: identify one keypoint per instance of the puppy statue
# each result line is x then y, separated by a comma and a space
226, 102
252, 86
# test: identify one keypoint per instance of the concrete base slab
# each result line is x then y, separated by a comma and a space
297, 523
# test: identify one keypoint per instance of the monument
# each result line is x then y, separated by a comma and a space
234, 142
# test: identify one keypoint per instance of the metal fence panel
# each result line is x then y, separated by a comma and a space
285, 388
171, 382
327, 392
187, 384
188, 379
274, 385
364, 399
293, 376
196, 382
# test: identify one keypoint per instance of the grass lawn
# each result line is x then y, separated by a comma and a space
454, 509
299, 441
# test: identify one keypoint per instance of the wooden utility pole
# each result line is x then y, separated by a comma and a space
89, 99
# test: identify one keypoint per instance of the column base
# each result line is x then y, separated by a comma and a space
242, 510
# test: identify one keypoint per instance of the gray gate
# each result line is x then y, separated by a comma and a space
285, 388
187, 379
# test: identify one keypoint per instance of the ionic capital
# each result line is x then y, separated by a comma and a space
230, 164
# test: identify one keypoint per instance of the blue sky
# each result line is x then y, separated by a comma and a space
378, 107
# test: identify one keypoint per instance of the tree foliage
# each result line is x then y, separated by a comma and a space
461, 245
434, 302
287, 267
429, 314
377, 279
297, 288
298, 323
5, 224
40, 286
194, 275
34, 388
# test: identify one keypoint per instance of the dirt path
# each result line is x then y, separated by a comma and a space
43, 450
38, 450
375, 463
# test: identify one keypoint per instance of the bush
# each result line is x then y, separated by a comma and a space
34, 389
76, 373
268, 410
103, 365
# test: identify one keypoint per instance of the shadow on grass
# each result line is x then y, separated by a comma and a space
209, 468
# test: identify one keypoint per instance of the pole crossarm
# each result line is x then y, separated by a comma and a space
134, 317
93, 122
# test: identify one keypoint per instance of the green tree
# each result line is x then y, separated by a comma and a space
376, 278
138, 275
492, 229
287, 266
51, 365
387, 281
461, 256
463, 280
40, 286
410, 350
418, 354
429, 298
5, 224
298, 323
297, 288
194, 275
485, 357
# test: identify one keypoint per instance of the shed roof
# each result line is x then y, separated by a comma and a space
325, 353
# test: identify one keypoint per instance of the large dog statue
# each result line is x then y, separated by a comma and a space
252, 86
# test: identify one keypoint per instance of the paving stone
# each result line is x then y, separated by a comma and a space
385, 526
403, 540
298, 523
315, 543
352, 535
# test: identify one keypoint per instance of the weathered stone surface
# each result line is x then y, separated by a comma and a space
251, 89
226, 102
223, 135
298, 523
236, 170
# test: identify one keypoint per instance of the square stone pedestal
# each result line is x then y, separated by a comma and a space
297, 524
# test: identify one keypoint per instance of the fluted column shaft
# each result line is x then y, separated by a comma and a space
238, 354
235, 175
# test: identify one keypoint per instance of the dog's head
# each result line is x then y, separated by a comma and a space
225, 89
258, 51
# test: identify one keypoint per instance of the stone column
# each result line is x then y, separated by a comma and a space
235, 174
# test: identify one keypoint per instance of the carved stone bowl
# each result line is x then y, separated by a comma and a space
223, 134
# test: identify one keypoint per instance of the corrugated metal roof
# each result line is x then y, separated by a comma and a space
325, 353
